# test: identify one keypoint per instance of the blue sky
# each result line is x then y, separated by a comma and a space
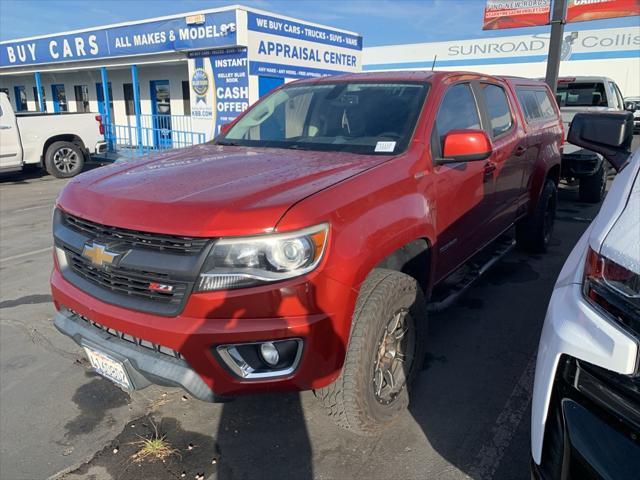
381, 22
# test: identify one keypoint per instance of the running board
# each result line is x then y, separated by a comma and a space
474, 272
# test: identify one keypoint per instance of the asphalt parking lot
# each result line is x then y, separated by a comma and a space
469, 415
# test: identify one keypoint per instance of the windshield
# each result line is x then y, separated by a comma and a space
581, 94
369, 118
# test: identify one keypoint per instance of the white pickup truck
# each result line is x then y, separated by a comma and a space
58, 142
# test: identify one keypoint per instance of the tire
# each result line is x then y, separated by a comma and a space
591, 189
359, 400
64, 159
534, 231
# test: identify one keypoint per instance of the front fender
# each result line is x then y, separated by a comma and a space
371, 215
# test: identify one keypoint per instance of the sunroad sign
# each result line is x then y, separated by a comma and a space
577, 45
217, 30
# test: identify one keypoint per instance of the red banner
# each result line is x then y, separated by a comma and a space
499, 14
584, 10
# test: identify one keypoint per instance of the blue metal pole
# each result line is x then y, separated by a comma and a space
107, 112
136, 103
39, 90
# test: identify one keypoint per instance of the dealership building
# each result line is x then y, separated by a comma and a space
194, 72
612, 52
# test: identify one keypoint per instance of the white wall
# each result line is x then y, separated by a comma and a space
614, 53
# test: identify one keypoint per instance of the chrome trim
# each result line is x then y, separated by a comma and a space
232, 359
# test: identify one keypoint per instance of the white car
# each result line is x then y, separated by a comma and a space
586, 397
59, 142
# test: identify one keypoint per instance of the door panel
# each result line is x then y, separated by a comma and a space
508, 160
462, 191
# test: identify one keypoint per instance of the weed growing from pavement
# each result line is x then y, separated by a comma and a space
155, 447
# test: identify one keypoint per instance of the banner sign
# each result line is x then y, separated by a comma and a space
231, 84
284, 48
500, 14
201, 97
585, 10
217, 30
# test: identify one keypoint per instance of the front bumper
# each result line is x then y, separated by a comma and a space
144, 366
267, 313
581, 163
594, 424
574, 328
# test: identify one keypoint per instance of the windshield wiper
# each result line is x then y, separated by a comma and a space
228, 144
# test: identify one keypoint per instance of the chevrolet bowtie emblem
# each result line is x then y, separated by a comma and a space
98, 254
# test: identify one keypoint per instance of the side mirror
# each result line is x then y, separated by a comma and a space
630, 107
465, 146
609, 134
225, 128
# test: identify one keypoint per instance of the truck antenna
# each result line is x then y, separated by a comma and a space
433, 65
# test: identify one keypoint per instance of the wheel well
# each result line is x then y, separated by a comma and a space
76, 140
412, 259
554, 174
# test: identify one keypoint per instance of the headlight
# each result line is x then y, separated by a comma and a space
613, 288
248, 261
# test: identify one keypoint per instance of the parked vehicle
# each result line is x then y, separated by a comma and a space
632, 104
58, 142
586, 397
586, 94
296, 251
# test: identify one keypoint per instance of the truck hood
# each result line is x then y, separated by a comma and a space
207, 190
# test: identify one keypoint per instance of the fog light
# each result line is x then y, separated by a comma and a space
270, 353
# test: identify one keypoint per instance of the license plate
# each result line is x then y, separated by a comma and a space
108, 367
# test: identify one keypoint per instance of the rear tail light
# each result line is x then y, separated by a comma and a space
100, 124
613, 288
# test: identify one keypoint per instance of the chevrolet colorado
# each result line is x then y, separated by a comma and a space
299, 249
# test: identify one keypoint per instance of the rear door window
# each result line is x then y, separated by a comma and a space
498, 109
458, 111
536, 104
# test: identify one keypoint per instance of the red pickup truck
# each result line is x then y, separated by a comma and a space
300, 248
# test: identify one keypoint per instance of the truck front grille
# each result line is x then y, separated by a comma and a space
133, 283
134, 238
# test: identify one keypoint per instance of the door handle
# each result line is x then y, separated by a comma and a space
519, 151
489, 168
5, 127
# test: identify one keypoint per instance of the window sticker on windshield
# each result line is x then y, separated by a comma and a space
385, 146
